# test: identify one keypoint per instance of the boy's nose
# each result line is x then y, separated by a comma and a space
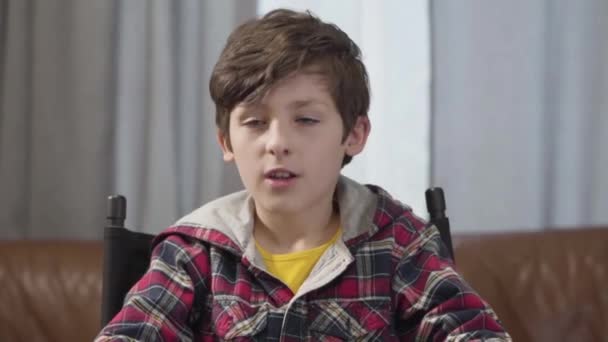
278, 141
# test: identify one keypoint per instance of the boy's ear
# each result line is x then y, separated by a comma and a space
222, 140
356, 139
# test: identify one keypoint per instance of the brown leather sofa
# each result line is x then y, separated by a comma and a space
545, 286
50, 290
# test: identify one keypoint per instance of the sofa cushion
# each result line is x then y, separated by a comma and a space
545, 286
51, 290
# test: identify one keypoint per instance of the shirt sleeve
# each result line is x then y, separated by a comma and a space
161, 305
434, 303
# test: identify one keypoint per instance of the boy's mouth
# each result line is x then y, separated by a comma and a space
280, 174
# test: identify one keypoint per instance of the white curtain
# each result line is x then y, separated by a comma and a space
520, 112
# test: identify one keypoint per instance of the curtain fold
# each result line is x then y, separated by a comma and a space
55, 128
102, 97
168, 162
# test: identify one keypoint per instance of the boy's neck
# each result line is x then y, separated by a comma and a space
287, 234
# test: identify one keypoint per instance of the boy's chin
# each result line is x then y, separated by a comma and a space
276, 206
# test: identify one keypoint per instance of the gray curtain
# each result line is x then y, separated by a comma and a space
56, 124
520, 116
100, 97
167, 158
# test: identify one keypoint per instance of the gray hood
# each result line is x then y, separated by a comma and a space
233, 215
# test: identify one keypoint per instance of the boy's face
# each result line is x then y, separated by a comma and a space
297, 130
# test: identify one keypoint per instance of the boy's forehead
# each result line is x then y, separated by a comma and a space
300, 89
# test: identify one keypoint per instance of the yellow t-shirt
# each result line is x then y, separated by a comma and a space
294, 268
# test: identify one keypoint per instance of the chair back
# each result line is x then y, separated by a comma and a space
435, 204
126, 258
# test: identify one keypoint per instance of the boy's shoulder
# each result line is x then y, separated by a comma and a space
397, 221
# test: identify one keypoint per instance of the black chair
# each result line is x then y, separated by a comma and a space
435, 204
127, 253
126, 258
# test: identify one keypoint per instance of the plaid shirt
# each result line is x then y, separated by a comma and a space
389, 279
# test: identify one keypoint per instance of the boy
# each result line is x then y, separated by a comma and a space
303, 253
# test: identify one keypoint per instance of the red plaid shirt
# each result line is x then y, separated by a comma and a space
388, 279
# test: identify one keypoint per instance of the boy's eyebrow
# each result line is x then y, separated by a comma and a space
246, 109
306, 103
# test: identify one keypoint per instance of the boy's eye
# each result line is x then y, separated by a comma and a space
253, 123
307, 121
